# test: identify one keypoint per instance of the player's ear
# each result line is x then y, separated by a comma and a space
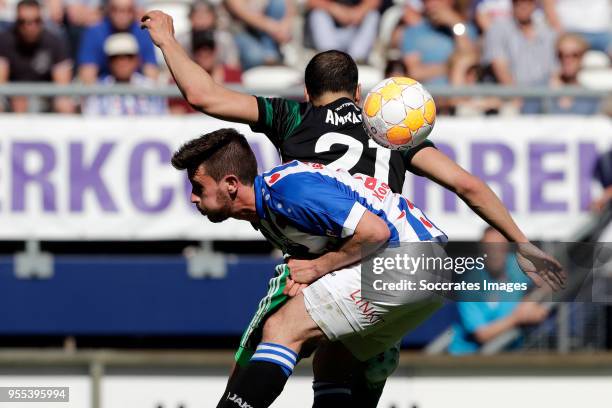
358, 94
231, 182
306, 96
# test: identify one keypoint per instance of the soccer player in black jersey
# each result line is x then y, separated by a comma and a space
327, 129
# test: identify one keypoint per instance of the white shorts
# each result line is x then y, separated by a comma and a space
366, 327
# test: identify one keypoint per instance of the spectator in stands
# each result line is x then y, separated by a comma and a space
486, 12
262, 27
122, 52
52, 13
483, 320
203, 17
603, 174
570, 50
7, 13
205, 55
521, 51
345, 25
428, 45
120, 17
592, 20
31, 53
395, 68
412, 15
81, 14
464, 69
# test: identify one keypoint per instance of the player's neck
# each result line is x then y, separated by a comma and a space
329, 97
243, 207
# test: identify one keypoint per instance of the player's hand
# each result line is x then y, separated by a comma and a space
292, 288
304, 271
160, 27
601, 203
280, 31
540, 267
341, 13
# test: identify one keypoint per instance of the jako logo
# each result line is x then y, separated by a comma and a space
238, 401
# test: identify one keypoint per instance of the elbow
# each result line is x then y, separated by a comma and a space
381, 234
195, 98
480, 337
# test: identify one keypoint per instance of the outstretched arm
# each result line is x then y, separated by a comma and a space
196, 85
438, 167
483, 201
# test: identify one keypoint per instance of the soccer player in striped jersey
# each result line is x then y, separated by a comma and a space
325, 129
327, 221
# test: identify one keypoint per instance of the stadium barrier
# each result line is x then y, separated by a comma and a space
297, 91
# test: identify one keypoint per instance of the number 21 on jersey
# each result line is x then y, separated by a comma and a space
354, 152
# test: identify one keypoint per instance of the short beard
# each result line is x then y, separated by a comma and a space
224, 212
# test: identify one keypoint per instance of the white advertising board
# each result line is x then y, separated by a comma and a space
73, 178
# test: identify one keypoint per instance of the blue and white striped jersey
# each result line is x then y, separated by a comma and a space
305, 209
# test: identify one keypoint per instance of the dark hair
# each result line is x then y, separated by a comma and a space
202, 39
331, 71
395, 66
222, 152
28, 3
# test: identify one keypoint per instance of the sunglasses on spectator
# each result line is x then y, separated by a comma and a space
25, 21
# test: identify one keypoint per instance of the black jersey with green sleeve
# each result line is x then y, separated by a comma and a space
332, 135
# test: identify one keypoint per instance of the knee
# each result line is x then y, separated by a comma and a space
290, 329
321, 26
251, 53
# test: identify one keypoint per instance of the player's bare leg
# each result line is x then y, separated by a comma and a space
284, 334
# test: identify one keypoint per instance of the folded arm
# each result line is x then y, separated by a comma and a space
371, 233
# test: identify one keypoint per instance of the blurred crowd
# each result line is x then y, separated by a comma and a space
438, 42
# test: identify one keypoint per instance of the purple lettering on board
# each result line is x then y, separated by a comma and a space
419, 185
505, 158
539, 177
88, 177
587, 156
22, 177
137, 179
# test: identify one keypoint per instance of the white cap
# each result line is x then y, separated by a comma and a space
121, 44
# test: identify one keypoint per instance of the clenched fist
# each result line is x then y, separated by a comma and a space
160, 27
